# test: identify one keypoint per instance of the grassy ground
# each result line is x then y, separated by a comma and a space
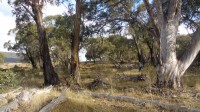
77, 102
118, 84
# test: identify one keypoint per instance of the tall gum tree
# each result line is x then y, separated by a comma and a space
75, 73
166, 20
24, 10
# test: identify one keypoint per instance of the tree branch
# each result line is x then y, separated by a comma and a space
152, 18
149, 10
191, 51
174, 6
159, 11
28, 11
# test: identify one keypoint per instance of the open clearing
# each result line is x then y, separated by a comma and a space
103, 89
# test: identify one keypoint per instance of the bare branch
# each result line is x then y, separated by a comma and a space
191, 51
153, 19
159, 11
149, 10
178, 11
28, 11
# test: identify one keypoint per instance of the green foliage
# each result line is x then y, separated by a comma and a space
115, 48
1, 57
60, 51
182, 42
27, 44
8, 79
97, 48
123, 49
59, 26
59, 29
190, 13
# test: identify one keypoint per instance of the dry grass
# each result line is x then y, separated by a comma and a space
38, 101
78, 102
12, 65
3, 102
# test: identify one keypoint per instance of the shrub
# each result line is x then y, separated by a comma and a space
1, 58
8, 79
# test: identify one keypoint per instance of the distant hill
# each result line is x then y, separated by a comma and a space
11, 57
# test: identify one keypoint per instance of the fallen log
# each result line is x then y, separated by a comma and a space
23, 96
10, 106
14, 92
13, 105
141, 101
54, 103
26, 95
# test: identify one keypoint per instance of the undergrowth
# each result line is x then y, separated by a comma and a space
8, 79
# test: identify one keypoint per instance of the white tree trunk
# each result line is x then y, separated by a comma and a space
167, 51
172, 69
166, 19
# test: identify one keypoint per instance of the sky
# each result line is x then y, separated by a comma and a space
7, 22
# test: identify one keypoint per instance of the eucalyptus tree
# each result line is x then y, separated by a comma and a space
25, 38
94, 49
75, 72
107, 16
98, 48
27, 11
59, 29
115, 17
123, 49
166, 18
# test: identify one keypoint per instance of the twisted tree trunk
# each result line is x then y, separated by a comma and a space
50, 76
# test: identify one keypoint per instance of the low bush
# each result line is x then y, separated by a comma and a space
8, 79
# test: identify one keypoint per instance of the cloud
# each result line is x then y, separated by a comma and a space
183, 30
5, 38
7, 22
5, 8
54, 10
